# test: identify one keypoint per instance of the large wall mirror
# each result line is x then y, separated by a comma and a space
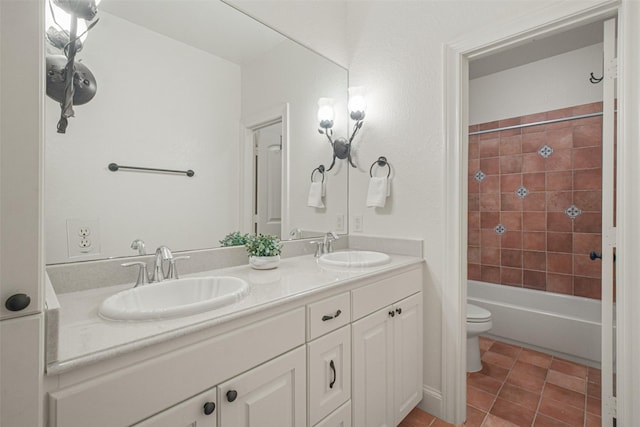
194, 85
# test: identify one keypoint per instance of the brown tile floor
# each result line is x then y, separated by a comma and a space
522, 387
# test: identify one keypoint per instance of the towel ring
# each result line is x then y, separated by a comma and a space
381, 162
318, 169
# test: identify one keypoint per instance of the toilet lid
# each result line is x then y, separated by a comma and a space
477, 314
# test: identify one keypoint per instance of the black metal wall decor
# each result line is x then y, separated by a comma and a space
69, 82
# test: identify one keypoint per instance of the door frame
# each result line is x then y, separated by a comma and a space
456, 56
248, 126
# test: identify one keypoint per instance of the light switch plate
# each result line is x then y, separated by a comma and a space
339, 225
357, 224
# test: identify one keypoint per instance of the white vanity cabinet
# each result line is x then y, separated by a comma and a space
199, 411
273, 394
150, 386
351, 356
387, 352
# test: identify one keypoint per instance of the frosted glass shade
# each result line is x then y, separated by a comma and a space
357, 103
64, 21
326, 113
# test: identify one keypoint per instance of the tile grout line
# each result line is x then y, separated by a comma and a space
544, 384
502, 383
586, 396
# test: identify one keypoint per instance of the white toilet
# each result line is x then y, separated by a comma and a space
478, 322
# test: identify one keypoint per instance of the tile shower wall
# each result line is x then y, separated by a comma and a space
535, 202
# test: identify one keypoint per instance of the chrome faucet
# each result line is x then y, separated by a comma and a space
324, 246
138, 245
163, 253
328, 238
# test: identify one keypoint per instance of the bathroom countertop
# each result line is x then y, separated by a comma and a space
85, 337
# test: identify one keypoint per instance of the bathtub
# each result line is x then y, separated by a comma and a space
562, 325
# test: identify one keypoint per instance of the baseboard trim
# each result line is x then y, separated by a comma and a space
431, 401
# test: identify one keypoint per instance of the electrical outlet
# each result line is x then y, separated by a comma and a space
357, 223
83, 237
339, 226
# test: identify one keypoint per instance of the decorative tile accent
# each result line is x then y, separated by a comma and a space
479, 176
500, 229
545, 151
522, 192
572, 211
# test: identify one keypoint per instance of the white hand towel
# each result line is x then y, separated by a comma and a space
379, 190
316, 192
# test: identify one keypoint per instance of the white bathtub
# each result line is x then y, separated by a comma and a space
562, 325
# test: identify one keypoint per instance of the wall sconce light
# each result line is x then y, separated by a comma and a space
68, 82
326, 114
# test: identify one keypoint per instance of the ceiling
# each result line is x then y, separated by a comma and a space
217, 28
208, 25
537, 49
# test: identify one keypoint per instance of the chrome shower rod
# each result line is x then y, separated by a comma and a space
543, 122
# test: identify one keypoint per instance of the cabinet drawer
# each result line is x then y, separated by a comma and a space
329, 365
368, 299
340, 418
328, 315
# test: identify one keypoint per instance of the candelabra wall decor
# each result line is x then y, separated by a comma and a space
326, 114
69, 82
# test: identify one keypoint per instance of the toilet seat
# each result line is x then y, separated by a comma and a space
477, 314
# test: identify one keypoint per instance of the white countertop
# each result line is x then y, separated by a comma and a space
85, 338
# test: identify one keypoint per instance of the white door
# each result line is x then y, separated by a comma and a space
20, 154
408, 355
268, 176
608, 225
273, 394
20, 371
373, 370
199, 411
21, 261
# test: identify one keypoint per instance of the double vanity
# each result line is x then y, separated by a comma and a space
330, 342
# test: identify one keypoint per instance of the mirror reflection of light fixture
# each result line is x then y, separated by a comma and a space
326, 114
68, 82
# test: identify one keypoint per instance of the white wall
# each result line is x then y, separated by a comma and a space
549, 84
154, 112
299, 77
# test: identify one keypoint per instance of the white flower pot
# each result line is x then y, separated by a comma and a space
264, 262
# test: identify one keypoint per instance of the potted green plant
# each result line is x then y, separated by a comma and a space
264, 251
234, 239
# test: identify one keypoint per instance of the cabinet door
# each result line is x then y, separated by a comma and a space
407, 345
329, 373
21, 370
372, 370
21, 148
273, 394
199, 411
341, 417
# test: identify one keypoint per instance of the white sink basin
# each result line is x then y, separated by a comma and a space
174, 298
350, 259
